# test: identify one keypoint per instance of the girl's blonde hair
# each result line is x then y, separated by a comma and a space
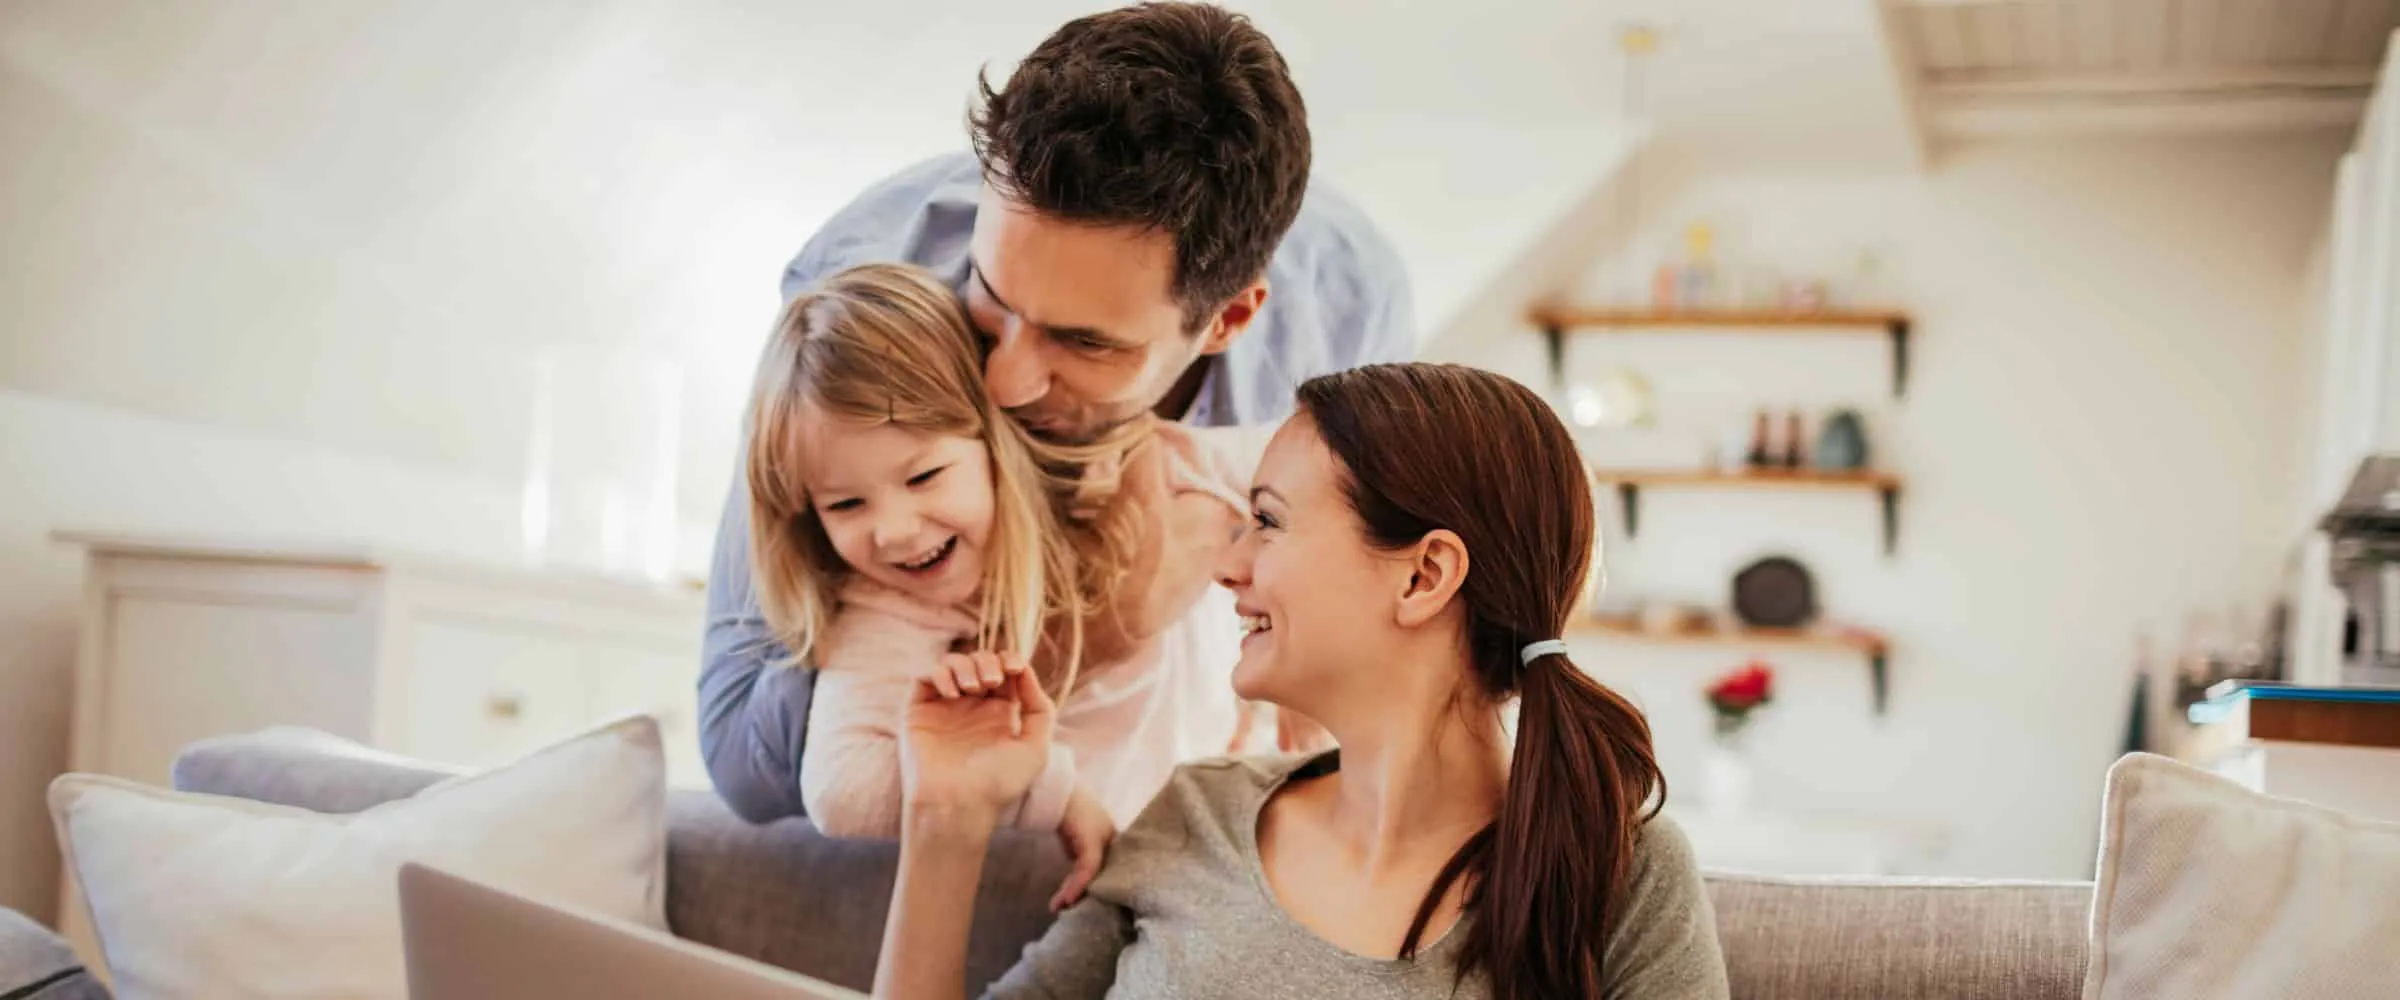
889, 344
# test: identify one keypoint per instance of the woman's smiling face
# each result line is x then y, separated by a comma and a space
1316, 599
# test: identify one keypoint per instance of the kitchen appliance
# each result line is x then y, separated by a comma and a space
2364, 528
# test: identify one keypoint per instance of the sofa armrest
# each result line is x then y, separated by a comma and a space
1929, 939
36, 965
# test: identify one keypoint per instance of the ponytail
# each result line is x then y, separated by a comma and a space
1546, 875
1494, 465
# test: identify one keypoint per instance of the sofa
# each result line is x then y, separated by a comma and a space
787, 895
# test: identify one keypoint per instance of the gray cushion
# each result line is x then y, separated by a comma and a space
789, 896
1924, 939
36, 965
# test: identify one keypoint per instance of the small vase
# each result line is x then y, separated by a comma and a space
1725, 778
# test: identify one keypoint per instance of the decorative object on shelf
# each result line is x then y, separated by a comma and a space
1761, 445
1699, 285
1732, 697
1775, 592
1621, 398
1731, 700
1842, 442
1802, 295
1793, 436
1666, 286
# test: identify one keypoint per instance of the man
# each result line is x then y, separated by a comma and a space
1137, 190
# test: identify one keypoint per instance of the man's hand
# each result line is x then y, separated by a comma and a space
1086, 831
975, 734
1184, 533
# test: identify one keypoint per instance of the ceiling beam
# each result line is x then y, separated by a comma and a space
2147, 115
1908, 76
1983, 3
2293, 80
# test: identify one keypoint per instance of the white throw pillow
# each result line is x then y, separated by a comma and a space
209, 896
2210, 891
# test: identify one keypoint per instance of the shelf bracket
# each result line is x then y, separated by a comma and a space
1891, 520
1630, 495
1556, 336
1879, 674
1899, 331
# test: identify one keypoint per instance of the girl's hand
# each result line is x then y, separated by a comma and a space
975, 734
1085, 832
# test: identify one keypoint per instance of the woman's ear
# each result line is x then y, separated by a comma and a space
1437, 568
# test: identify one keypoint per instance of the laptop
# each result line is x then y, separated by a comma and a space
469, 941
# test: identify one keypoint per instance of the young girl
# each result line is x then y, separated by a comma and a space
897, 515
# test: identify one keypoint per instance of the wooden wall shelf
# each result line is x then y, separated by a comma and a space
1631, 482
1866, 642
1556, 322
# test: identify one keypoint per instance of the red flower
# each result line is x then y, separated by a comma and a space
1744, 689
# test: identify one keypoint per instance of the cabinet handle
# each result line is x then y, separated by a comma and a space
505, 706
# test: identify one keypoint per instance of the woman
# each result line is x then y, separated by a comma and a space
1420, 536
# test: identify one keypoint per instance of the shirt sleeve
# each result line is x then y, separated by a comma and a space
869, 662
753, 713
850, 774
1665, 945
1075, 960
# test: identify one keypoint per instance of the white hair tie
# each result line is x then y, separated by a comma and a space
1536, 650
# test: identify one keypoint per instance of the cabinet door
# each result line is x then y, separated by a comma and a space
186, 667
484, 693
659, 680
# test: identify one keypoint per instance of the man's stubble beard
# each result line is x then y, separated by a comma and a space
1078, 435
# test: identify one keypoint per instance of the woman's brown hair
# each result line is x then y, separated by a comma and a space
1444, 446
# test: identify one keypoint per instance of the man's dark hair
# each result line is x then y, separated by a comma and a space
1178, 117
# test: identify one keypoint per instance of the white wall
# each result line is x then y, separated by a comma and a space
65, 464
2097, 438
357, 224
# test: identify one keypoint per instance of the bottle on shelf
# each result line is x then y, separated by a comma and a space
1697, 289
1793, 440
1761, 430
1664, 287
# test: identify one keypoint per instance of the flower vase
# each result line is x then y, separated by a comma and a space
1725, 777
